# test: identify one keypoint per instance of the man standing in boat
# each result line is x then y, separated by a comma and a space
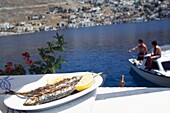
142, 50
156, 54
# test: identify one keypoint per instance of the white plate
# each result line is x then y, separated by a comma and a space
16, 102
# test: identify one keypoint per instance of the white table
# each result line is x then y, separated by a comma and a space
108, 100
132, 100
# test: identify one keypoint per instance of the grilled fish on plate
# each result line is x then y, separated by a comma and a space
42, 95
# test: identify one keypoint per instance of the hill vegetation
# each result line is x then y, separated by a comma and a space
17, 11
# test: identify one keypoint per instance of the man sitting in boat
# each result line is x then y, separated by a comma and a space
142, 50
156, 54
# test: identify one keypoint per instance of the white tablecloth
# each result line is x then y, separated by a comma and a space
108, 100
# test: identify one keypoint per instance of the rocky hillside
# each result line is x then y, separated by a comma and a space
44, 15
19, 10
17, 3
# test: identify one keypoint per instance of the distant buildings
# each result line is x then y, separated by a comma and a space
94, 13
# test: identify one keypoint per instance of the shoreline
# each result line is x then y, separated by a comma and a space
21, 33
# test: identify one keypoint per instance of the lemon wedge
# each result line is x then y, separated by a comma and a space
85, 82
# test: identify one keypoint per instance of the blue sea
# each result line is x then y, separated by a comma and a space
95, 49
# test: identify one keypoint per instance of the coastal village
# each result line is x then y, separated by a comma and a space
68, 14
74, 91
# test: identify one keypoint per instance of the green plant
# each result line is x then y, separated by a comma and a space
50, 60
13, 69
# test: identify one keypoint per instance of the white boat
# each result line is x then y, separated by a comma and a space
160, 72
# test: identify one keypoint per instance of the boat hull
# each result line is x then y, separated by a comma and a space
152, 77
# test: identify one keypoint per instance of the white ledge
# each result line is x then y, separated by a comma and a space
108, 99
132, 100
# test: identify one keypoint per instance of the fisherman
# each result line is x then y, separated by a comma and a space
142, 50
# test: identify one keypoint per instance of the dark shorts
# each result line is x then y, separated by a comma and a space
140, 56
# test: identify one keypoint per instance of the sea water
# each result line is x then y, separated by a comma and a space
95, 49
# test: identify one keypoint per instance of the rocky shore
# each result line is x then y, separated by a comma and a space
67, 14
